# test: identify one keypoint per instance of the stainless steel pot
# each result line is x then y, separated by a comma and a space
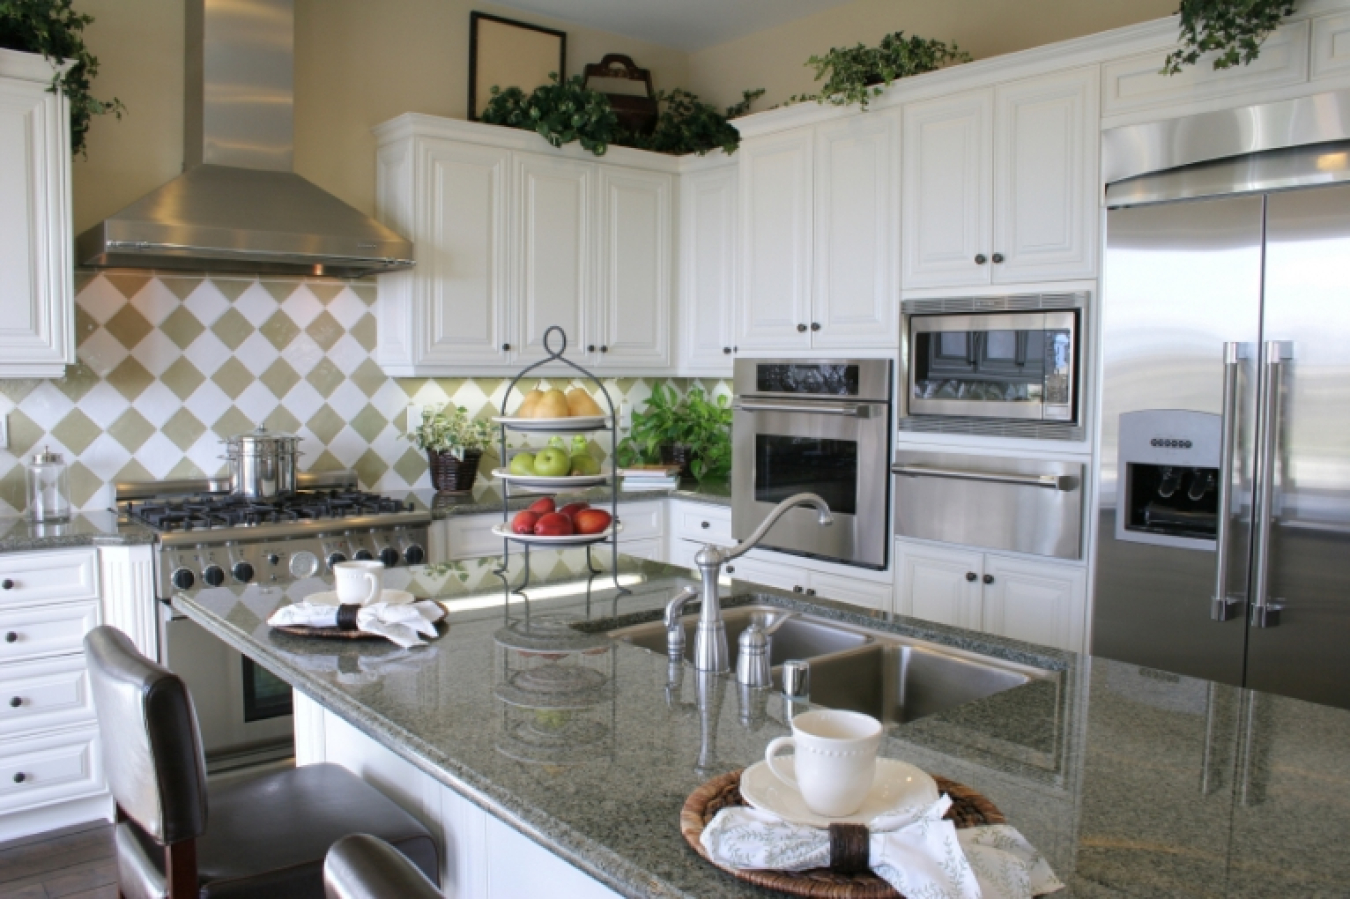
262, 463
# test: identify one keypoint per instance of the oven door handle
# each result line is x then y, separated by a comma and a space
1064, 482
850, 410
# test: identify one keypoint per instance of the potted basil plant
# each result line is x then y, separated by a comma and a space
692, 431
454, 444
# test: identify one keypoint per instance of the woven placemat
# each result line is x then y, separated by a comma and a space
969, 809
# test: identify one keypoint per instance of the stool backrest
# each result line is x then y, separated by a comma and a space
151, 746
360, 866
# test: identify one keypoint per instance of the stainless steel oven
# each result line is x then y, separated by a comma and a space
1013, 358
821, 426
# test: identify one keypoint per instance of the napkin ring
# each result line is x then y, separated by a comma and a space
850, 848
346, 616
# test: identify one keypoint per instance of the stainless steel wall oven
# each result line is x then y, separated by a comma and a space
821, 426
995, 365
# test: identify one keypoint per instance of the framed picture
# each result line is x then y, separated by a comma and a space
507, 53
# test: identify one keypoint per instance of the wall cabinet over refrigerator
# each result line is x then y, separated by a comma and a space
820, 235
511, 238
1000, 184
37, 305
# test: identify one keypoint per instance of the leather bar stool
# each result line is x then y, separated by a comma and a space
365, 867
176, 836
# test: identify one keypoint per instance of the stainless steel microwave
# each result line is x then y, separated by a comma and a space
1009, 358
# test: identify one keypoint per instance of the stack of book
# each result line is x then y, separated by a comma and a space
650, 477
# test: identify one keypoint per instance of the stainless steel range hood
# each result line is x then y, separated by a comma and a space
238, 207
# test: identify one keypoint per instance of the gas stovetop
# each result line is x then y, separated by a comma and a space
208, 511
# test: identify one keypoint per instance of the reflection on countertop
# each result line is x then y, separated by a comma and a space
93, 528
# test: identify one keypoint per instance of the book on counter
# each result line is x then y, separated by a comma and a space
650, 477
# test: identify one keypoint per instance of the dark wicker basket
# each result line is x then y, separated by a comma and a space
449, 475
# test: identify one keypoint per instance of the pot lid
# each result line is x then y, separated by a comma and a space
260, 438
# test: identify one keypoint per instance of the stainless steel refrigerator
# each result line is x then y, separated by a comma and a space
1224, 495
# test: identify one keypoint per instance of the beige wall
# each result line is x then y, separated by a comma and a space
357, 64
775, 59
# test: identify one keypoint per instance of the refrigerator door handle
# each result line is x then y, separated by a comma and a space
1265, 611
1223, 606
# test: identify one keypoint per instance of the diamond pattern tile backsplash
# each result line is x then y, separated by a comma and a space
168, 365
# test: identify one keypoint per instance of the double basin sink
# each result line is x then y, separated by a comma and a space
893, 678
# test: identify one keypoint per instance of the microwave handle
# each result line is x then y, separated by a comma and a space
852, 410
1064, 482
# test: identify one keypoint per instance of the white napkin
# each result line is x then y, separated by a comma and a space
398, 622
913, 849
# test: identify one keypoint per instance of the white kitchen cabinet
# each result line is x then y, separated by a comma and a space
630, 323
462, 537
1035, 601
776, 227
37, 302
707, 306
1000, 183
757, 568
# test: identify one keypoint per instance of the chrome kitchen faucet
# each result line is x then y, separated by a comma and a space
710, 639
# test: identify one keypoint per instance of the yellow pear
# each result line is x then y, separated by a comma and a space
579, 402
551, 405
528, 404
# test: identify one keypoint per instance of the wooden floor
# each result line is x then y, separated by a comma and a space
73, 863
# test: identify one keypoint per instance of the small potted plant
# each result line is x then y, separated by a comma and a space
454, 443
693, 432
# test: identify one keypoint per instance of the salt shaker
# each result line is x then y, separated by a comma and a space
48, 487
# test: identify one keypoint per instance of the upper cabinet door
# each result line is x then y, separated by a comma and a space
37, 306
633, 300
1045, 178
554, 205
707, 271
857, 247
947, 192
460, 236
775, 214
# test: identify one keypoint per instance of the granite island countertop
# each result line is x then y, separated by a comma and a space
93, 528
1133, 782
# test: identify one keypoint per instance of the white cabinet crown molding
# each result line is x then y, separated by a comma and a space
29, 66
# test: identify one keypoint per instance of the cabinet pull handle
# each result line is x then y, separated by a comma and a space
506, 347
998, 257
971, 576
706, 525
590, 348
801, 329
12, 637
988, 578
979, 259
731, 569
604, 349
727, 350
15, 702
20, 777
8, 584
815, 326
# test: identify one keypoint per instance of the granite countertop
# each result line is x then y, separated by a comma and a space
1133, 782
486, 496
95, 528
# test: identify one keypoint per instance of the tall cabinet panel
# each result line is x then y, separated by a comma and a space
1045, 178
633, 315
776, 199
553, 234
857, 205
707, 271
947, 195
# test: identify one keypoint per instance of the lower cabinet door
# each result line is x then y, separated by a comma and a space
1035, 601
940, 585
35, 771
867, 594
45, 694
770, 574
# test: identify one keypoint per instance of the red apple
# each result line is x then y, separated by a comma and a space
571, 509
524, 522
542, 506
591, 521
554, 524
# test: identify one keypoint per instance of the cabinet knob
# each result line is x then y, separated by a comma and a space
590, 348
705, 525
801, 329
998, 257
604, 349
8, 584
988, 578
971, 576
20, 777
506, 348
810, 592
15, 702
727, 350
979, 259
12, 637
797, 588
815, 326
730, 569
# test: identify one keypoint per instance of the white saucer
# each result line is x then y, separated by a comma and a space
898, 785
393, 597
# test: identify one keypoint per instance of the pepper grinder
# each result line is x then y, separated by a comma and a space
48, 487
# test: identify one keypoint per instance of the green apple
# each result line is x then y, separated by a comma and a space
584, 463
552, 462
556, 442
522, 463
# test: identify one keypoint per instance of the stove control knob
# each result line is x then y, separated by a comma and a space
243, 572
362, 555
336, 558
414, 554
214, 575
304, 564
183, 579
389, 556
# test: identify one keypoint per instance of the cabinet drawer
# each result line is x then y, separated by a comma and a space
703, 523
55, 630
40, 770
43, 695
46, 576
771, 574
470, 536
651, 550
868, 594
641, 521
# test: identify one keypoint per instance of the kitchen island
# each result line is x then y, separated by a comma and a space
1133, 782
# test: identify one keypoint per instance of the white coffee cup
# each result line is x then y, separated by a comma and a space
835, 761
359, 583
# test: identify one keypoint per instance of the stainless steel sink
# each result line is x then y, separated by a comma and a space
893, 678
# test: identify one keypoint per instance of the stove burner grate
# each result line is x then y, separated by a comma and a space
207, 511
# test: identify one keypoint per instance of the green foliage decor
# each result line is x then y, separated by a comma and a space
54, 29
560, 112
853, 75
688, 125
694, 421
1232, 29
443, 431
